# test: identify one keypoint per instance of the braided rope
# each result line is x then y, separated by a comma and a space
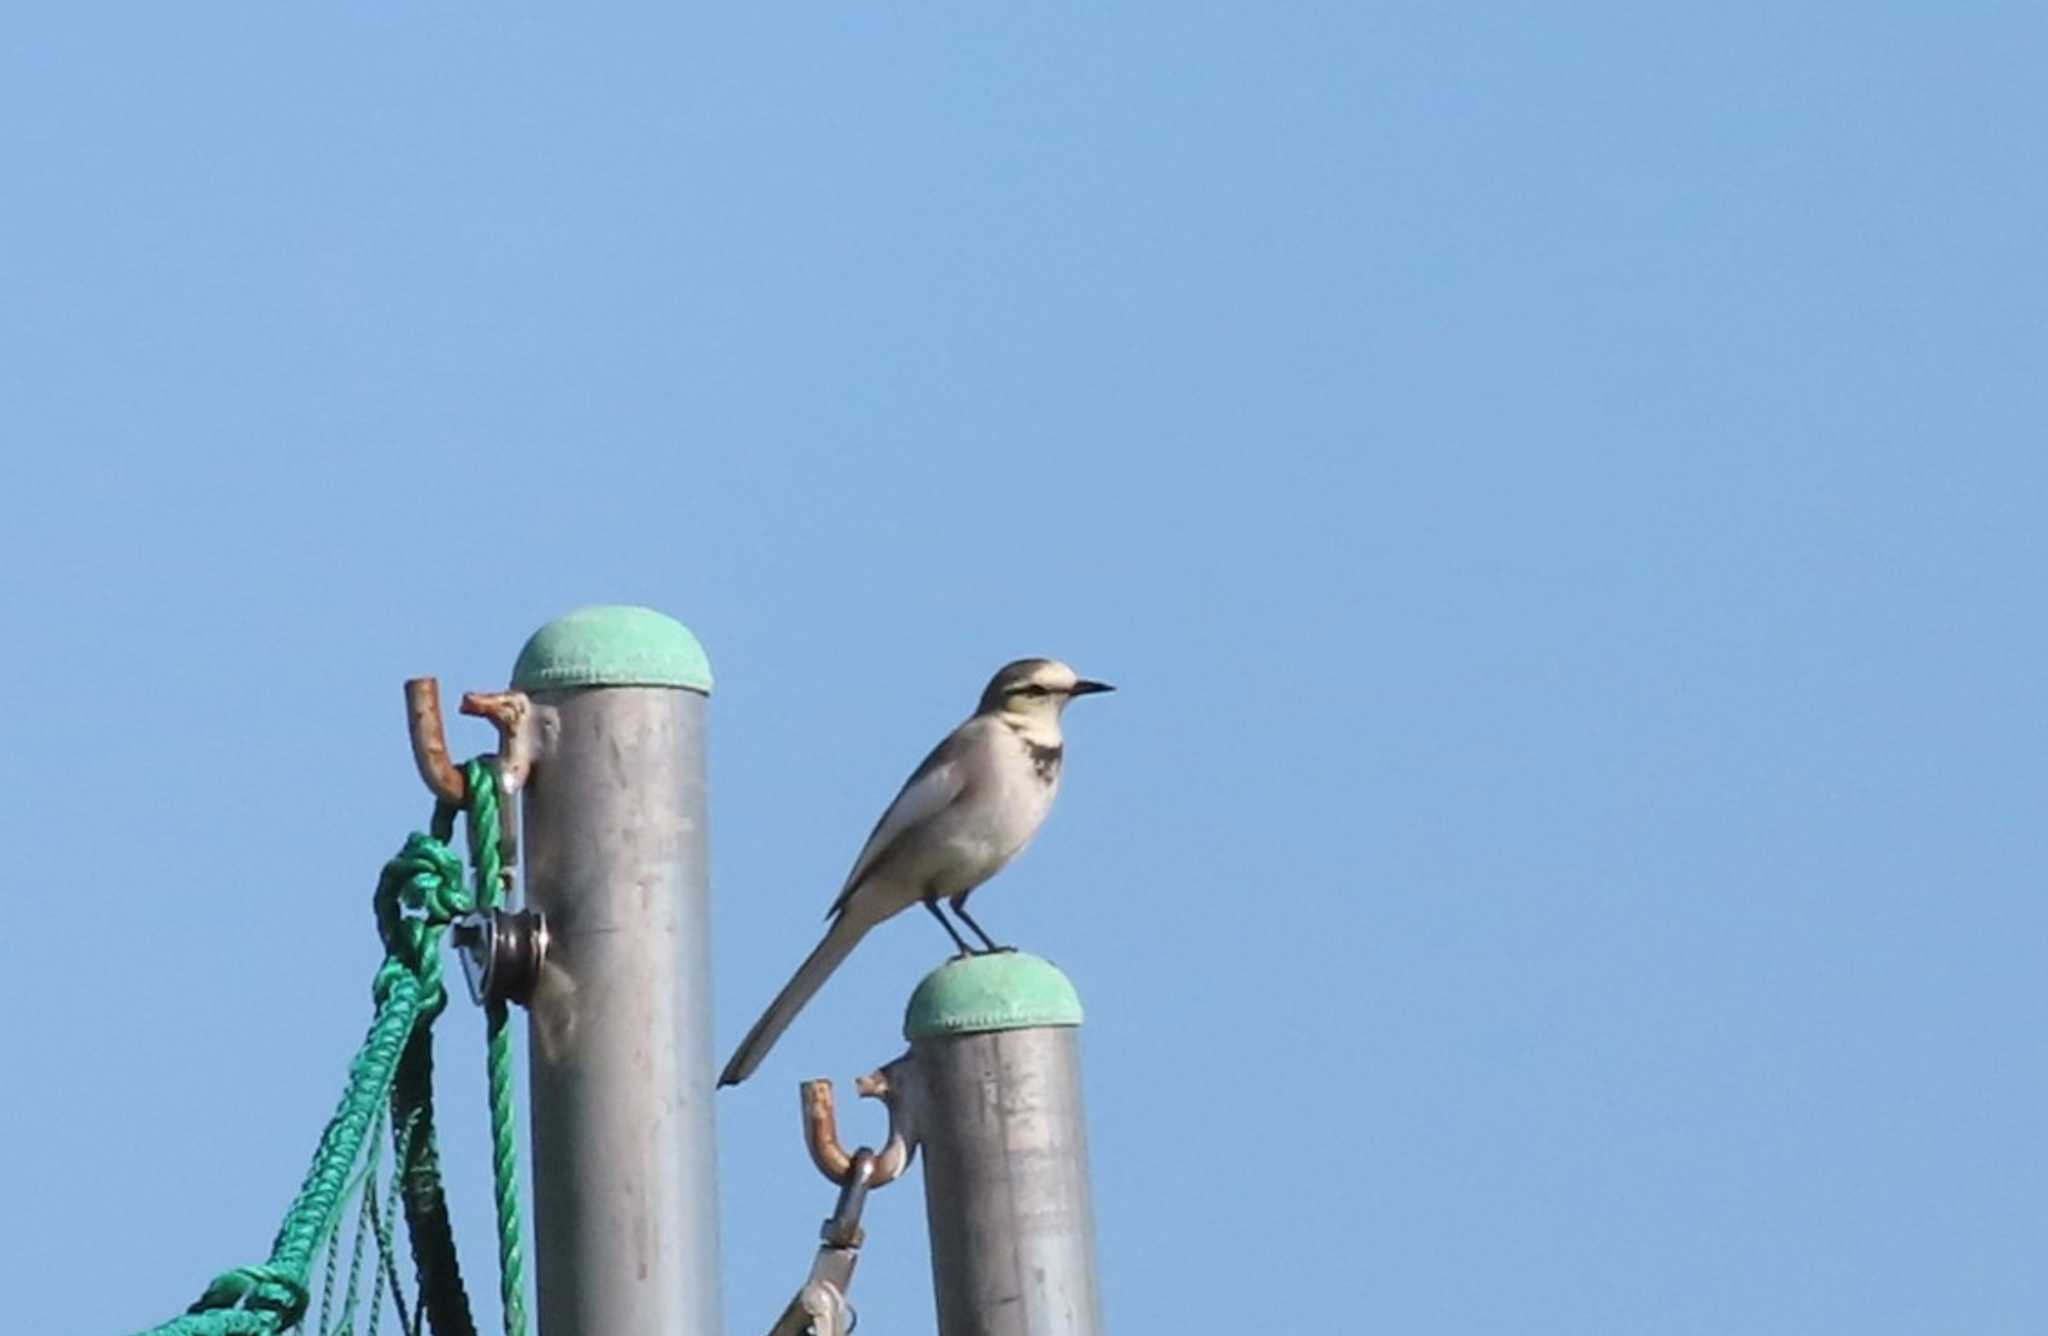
419, 893
488, 868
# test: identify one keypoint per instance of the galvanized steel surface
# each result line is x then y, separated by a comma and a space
625, 1191
1006, 1183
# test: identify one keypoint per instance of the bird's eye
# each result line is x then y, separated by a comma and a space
1034, 689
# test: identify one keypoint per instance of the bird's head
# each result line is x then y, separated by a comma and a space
1036, 689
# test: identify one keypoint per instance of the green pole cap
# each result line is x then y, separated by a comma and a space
1004, 990
612, 645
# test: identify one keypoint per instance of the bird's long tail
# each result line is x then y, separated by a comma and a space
844, 934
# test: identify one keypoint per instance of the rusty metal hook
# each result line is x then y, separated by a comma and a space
510, 712
430, 741
891, 1085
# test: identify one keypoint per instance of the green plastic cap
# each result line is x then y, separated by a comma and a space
612, 645
1004, 990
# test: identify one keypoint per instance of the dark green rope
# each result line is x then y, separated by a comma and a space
419, 894
384, 1220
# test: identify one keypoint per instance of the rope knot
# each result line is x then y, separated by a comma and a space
257, 1287
419, 893
428, 875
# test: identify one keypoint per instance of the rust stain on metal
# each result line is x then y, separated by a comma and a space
821, 1131
430, 742
511, 713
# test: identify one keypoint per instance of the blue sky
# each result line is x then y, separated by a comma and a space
1561, 488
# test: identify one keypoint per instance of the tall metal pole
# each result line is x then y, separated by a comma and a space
995, 1044
625, 1193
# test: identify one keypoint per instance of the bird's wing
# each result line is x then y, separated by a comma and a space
935, 785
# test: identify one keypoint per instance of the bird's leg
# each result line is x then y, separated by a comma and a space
958, 904
931, 902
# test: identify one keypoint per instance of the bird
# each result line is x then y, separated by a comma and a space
963, 814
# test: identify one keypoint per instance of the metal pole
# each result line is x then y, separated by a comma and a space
995, 1043
625, 1193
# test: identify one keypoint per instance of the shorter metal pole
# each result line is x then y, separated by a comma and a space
995, 1041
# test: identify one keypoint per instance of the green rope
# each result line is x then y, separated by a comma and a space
366, 1184
444, 1299
272, 1297
488, 868
505, 1174
382, 1221
419, 894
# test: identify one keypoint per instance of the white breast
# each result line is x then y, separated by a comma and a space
1005, 803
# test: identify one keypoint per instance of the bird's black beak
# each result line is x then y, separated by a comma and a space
1086, 688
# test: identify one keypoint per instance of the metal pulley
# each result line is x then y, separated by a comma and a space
502, 951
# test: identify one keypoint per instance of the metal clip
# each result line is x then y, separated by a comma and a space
821, 1307
842, 1228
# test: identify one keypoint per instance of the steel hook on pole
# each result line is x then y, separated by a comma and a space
501, 949
430, 741
891, 1085
510, 712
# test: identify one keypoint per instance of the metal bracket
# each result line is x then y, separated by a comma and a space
889, 1083
501, 950
512, 713
821, 1307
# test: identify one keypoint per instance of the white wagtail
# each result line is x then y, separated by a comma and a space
970, 808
